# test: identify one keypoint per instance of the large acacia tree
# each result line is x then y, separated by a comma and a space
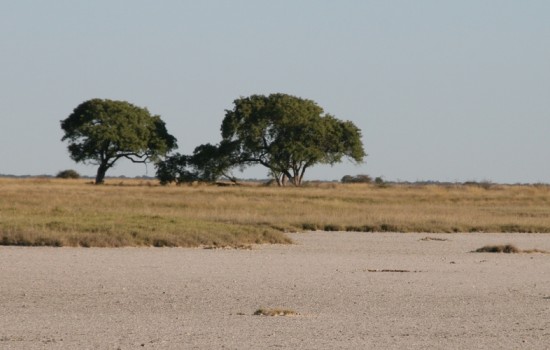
101, 132
288, 135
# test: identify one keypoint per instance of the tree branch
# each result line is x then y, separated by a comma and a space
142, 158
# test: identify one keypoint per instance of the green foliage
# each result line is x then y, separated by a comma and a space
175, 168
288, 135
101, 132
212, 162
208, 163
347, 179
68, 174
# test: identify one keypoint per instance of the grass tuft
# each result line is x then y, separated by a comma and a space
333, 227
309, 227
507, 248
275, 312
428, 238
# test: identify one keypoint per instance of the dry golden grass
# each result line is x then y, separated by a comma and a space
142, 213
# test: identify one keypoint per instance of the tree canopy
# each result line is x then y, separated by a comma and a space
101, 132
208, 163
284, 133
288, 135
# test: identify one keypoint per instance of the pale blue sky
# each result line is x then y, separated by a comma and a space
442, 90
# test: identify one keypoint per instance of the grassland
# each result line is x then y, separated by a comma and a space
57, 212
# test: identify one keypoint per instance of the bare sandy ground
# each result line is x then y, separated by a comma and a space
171, 298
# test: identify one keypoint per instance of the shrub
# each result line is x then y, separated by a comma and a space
68, 174
275, 312
332, 227
485, 184
362, 178
347, 179
175, 168
309, 227
508, 248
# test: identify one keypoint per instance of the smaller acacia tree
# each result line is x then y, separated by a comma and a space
175, 168
101, 132
208, 163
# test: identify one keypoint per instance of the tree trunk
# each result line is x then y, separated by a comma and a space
301, 175
100, 177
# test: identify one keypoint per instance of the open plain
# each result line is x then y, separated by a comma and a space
350, 291
123, 213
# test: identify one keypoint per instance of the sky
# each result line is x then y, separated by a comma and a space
442, 90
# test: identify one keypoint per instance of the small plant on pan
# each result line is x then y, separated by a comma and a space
275, 312
507, 248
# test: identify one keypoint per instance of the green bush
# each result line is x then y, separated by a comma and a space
348, 179
68, 174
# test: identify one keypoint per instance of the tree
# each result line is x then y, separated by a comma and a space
212, 162
101, 132
288, 135
208, 163
175, 168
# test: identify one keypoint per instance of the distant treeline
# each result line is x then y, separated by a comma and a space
483, 184
143, 177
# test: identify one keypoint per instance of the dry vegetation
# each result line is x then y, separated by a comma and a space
426, 239
275, 312
140, 213
507, 248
